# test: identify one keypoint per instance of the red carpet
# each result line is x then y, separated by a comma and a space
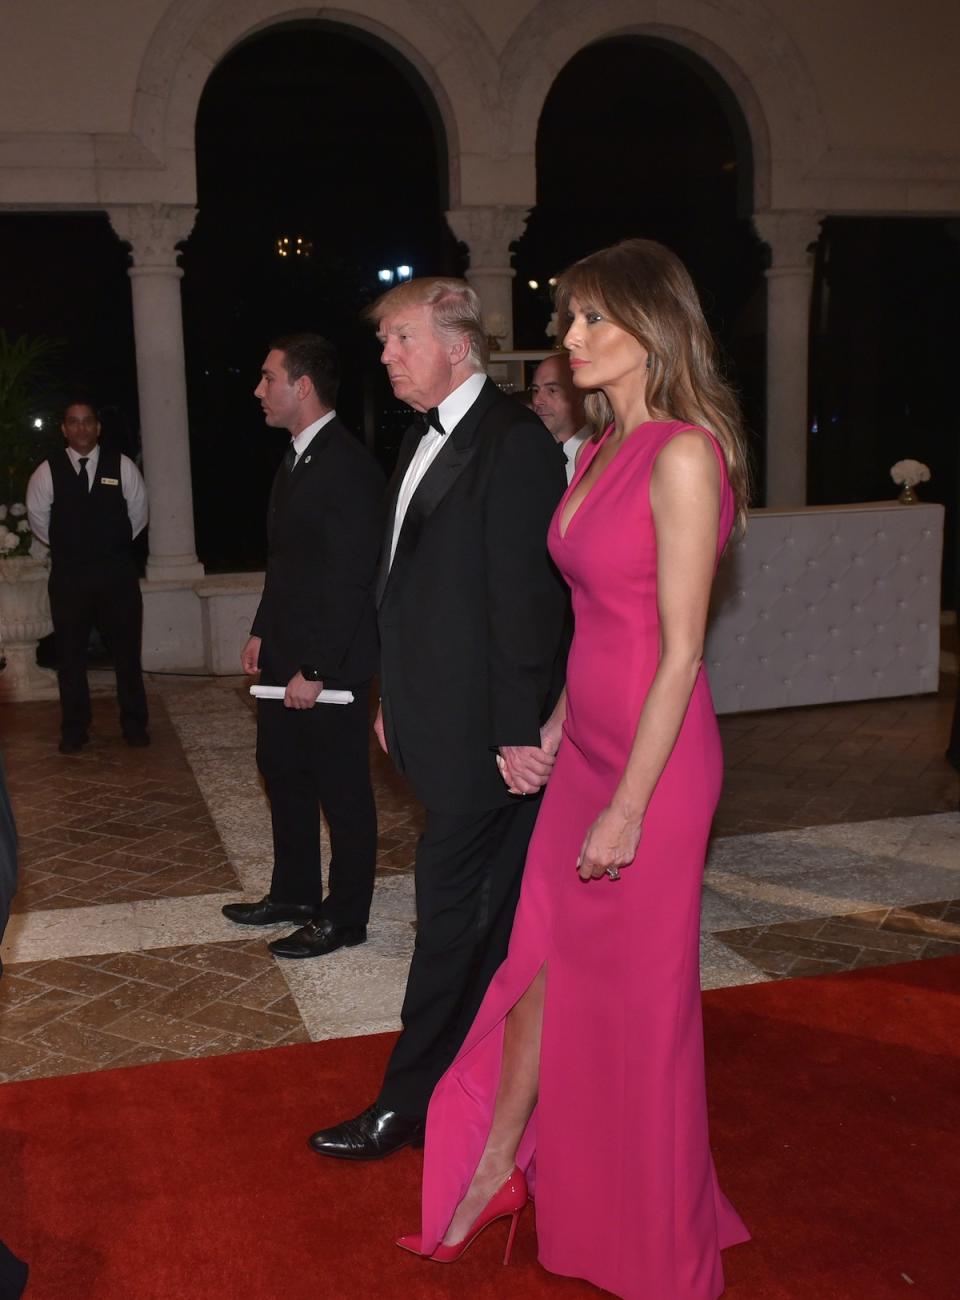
836, 1115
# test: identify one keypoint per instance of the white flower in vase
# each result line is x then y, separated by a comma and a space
908, 473
18, 510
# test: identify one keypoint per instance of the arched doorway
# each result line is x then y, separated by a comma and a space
317, 133
641, 137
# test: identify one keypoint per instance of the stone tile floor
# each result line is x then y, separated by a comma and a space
836, 835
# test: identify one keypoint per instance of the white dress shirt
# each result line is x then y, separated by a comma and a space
571, 447
304, 438
450, 412
40, 492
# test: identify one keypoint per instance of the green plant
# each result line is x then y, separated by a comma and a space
25, 374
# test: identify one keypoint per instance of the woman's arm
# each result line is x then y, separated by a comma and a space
685, 499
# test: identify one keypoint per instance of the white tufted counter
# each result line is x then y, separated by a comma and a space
827, 603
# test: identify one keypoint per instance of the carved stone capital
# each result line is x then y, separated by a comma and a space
789, 236
153, 231
489, 233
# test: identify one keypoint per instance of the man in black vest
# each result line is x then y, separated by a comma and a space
88, 503
316, 627
470, 612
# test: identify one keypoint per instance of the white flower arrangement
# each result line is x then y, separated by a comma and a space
15, 535
908, 473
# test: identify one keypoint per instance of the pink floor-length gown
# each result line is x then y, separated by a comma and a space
617, 1150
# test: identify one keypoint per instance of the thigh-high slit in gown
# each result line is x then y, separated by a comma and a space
617, 1151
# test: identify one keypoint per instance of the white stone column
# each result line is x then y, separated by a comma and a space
789, 236
153, 231
489, 232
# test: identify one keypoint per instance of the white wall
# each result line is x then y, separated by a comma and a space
860, 97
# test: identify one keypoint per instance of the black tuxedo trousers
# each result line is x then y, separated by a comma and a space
468, 872
313, 759
106, 596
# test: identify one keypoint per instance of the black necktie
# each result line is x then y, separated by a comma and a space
432, 418
290, 459
83, 473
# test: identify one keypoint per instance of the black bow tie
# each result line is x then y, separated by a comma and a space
432, 418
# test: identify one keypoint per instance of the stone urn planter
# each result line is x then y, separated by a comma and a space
24, 619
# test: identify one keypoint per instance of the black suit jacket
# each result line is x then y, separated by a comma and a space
324, 527
471, 609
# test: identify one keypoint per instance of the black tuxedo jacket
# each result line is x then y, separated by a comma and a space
324, 526
471, 609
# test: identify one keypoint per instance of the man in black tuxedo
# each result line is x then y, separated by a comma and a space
316, 627
470, 611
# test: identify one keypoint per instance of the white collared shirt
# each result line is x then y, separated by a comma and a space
304, 438
450, 412
39, 499
571, 447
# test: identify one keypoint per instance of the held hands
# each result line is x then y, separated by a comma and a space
610, 843
250, 656
300, 693
526, 768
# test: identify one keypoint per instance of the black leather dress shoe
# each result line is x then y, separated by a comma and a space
267, 912
317, 938
376, 1133
73, 744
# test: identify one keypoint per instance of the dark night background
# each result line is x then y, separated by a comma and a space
320, 132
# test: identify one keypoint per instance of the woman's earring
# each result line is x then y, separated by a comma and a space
648, 363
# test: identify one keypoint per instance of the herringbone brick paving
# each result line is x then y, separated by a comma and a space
110, 824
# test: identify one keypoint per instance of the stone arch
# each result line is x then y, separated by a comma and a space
442, 43
745, 46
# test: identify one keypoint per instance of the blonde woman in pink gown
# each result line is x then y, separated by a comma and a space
582, 1078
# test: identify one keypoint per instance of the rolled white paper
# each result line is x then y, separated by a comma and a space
325, 696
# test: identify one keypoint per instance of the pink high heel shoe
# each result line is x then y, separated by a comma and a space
507, 1202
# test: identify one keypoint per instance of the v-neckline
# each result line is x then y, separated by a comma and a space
600, 477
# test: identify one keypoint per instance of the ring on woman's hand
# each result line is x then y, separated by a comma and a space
613, 873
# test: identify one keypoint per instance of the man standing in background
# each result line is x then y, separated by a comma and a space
88, 503
560, 406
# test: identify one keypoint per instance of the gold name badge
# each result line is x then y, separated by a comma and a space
110, 482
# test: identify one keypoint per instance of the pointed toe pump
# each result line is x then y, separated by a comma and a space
508, 1202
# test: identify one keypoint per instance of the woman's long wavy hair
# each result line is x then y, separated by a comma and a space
646, 290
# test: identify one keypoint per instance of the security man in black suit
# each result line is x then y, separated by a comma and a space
315, 628
88, 503
471, 612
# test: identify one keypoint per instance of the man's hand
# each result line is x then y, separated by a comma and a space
525, 768
378, 729
300, 693
250, 656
